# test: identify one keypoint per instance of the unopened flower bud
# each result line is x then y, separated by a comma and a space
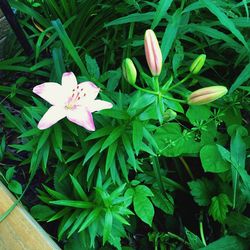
206, 95
197, 64
169, 115
153, 52
129, 71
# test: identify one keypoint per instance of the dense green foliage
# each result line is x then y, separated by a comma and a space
156, 173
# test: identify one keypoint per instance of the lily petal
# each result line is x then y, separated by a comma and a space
82, 117
89, 91
52, 116
52, 92
69, 82
98, 105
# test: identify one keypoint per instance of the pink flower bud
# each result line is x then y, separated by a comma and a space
153, 52
206, 95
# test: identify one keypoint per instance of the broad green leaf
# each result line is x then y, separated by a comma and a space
194, 240
142, 205
219, 207
160, 201
15, 187
239, 224
9, 173
227, 243
196, 114
41, 212
202, 190
212, 160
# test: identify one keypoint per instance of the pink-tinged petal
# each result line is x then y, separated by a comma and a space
69, 82
82, 117
52, 92
98, 105
88, 91
52, 116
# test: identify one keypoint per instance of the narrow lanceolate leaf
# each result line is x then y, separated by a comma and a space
224, 20
70, 203
107, 226
161, 10
90, 219
137, 135
242, 78
110, 156
115, 134
170, 34
69, 46
78, 188
137, 17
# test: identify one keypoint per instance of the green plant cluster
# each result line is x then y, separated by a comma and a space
157, 173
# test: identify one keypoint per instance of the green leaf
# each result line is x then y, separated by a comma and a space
90, 219
202, 190
194, 240
228, 243
92, 67
41, 212
224, 20
137, 135
43, 138
165, 204
15, 187
115, 134
243, 77
239, 224
110, 156
219, 207
69, 46
78, 188
108, 222
212, 160
161, 11
71, 203
58, 135
196, 114
142, 205
137, 17
9, 173
170, 34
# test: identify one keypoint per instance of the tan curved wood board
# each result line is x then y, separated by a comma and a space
19, 231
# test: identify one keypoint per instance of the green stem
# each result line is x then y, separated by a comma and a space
202, 234
157, 170
180, 82
174, 99
177, 237
187, 168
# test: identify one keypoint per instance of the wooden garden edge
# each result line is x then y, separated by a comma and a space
19, 231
